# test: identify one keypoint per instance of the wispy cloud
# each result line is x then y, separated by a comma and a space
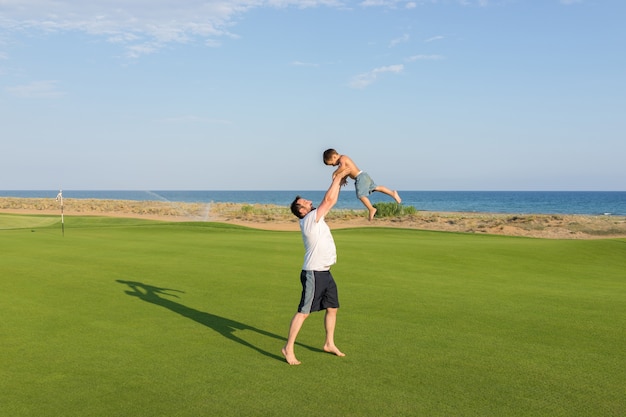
424, 58
37, 89
397, 4
481, 3
139, 49
402, 39
303, 64
394, 4
189, 118
375, 3
433, 39
142, 28
363, 80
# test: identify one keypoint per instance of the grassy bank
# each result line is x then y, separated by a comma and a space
267, 216
128, 317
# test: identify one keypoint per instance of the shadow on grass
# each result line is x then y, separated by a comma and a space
222, 325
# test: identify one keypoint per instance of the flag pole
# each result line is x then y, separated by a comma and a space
60, 198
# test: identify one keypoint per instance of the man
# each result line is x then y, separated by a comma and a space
319, 291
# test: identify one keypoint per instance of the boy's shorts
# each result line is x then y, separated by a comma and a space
364, 185
319, 291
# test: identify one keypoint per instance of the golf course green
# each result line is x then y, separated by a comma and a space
129, 317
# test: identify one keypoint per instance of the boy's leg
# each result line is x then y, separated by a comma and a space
392, 193
294, 329
372, 210
330, 319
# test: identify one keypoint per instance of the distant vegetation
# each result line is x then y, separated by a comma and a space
388, 214
393, 210
268, 212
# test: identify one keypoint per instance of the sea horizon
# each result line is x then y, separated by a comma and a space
518, 202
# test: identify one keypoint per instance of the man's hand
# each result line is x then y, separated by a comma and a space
342, 172
331, 196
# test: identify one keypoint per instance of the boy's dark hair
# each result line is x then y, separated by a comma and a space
295, 207
328, 153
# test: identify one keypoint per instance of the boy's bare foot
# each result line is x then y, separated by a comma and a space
396, 196
372, 213
334, 350
290, 357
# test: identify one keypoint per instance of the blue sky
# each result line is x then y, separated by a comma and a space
247, 94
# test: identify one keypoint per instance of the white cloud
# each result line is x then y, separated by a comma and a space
394, 4
304, 64
142, 26
363, 80
401, 39
189, 118
372, 3
433, 38
37, 89
146, 26
481, 3
140, 49
424, 58
213, 43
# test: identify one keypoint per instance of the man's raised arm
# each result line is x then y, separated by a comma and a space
332, 195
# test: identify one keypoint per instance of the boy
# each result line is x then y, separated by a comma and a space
362, 181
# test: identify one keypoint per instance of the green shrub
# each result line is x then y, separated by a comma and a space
393, 210
247, 209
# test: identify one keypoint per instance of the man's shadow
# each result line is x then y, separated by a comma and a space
222, 325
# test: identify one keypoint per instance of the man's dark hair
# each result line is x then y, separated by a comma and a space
295, 207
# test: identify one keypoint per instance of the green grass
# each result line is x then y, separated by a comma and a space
17, 221
126, 317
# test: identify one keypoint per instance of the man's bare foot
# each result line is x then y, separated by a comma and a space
372, 213
334, 350
290, 357
396, 196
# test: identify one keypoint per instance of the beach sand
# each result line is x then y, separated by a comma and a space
279, 218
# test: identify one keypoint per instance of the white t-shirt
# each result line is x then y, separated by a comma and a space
319, 247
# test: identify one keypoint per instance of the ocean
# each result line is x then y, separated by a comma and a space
518, 202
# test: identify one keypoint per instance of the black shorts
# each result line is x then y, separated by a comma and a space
319, 291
